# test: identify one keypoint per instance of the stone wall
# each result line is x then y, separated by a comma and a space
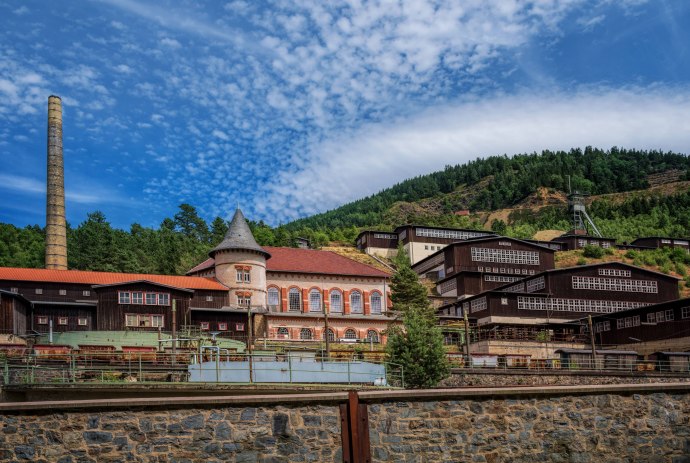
238, 434
579, 429
499, 379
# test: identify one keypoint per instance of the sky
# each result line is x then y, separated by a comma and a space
290, 108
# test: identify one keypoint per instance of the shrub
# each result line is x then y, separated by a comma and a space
582, 261
594, 252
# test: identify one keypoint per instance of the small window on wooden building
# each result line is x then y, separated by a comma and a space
63, 321
39, 290
14, 290
222, 326
137, 297
157, 321
205, 326
124, 297
82, 321
86, 293
164, 299
239, 326
42, 320
209, 298
62, 292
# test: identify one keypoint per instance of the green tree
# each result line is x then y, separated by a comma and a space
418, 347
406, 290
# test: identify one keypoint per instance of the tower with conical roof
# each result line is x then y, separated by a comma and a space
240, 264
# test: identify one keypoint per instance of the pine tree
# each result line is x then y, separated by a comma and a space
406, 290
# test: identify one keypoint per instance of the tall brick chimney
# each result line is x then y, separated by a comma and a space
56, 228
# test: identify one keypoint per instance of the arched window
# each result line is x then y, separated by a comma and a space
375, 303
372, 335
356, 302
336, 301
305, 333
331, 335
273, 299
315, 301
294, 300
283, 333
350, 334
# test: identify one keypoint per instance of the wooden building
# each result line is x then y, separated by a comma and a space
14, 313
476, 265
377, 243
572, 241
655, 242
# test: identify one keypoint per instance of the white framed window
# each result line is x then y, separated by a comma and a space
283, 333
243, 276
82, 321
42, 320
651, 318
86, 293
501, 278
575, 305
669, 315
157, 321
244, 301
614, 272
336, 301
356, 302
222, 326
350, 334
205, 326
273, 298
305, 334
63, 321
685, 312
239, 326
39, 290
615, 284
131, 319
163, 299
375, 303
144, 320
315, 301
294, 300
535, 284
209, 298
62, 292
124, 297
452, 234
477, 305
137, 297
151, 299
504, 256
14, 290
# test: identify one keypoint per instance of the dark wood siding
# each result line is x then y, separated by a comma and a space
54, 313
13, 315
369, 239
217, 300
646, 331
50, 292
213, 318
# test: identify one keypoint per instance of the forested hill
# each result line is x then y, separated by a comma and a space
501, 181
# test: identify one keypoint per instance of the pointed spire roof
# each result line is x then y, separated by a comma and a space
239, 237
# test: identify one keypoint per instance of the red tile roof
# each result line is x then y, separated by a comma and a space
208, 263
105, 278
312, 261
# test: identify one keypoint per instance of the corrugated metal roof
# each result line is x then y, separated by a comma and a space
105, 278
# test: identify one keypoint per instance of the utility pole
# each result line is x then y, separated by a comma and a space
249, 340
325, 322
467, 337
591, 339
174, 331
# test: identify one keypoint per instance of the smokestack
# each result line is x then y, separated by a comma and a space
56, 228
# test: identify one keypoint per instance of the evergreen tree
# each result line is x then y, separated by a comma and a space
418, 348
406, 290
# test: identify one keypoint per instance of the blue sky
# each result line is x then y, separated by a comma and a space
290, 108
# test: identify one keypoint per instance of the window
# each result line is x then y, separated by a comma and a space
14, 290
205, 326
273, 298
62, 292
478, 305
603, 326
504, 256
426, 248
131, 320
144, 320
315, 301
137, 298
336, 301
385, 236
651, 318
448, 286
82, 321
239, 326
356, 302
86, 293
222, 326
124, 297
452, 234
685, 312
372, 336
209, 298
244, 300
575, 305
614, 272
350, 334
42, 320
504, 301
305, 334
331, 335
535, 284
39, 291
615, 284
294, 300
375, 303
665, 241
669, 315
63, 321
501, 278
283, 333
244, 275
163, 299
157, 321
151, 298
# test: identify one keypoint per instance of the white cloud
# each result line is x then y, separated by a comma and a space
170, 43
347, 167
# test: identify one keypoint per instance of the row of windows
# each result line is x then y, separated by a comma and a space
602, 326
307, 334
453, 234
504, 256
432, 248
615, 284
140, 297
510, 270
61, 292
316, 304
448, 286
614, 272
385, 236
62, 321
575, 305
679, 242
685, 312
659, 317
582, 243
628, 322
518, 288
478, 305
535, 284
220, 326
431, 263
501, 278
144, 320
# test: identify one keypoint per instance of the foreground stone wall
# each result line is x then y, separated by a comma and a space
593, 428
499, 379
237, 434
